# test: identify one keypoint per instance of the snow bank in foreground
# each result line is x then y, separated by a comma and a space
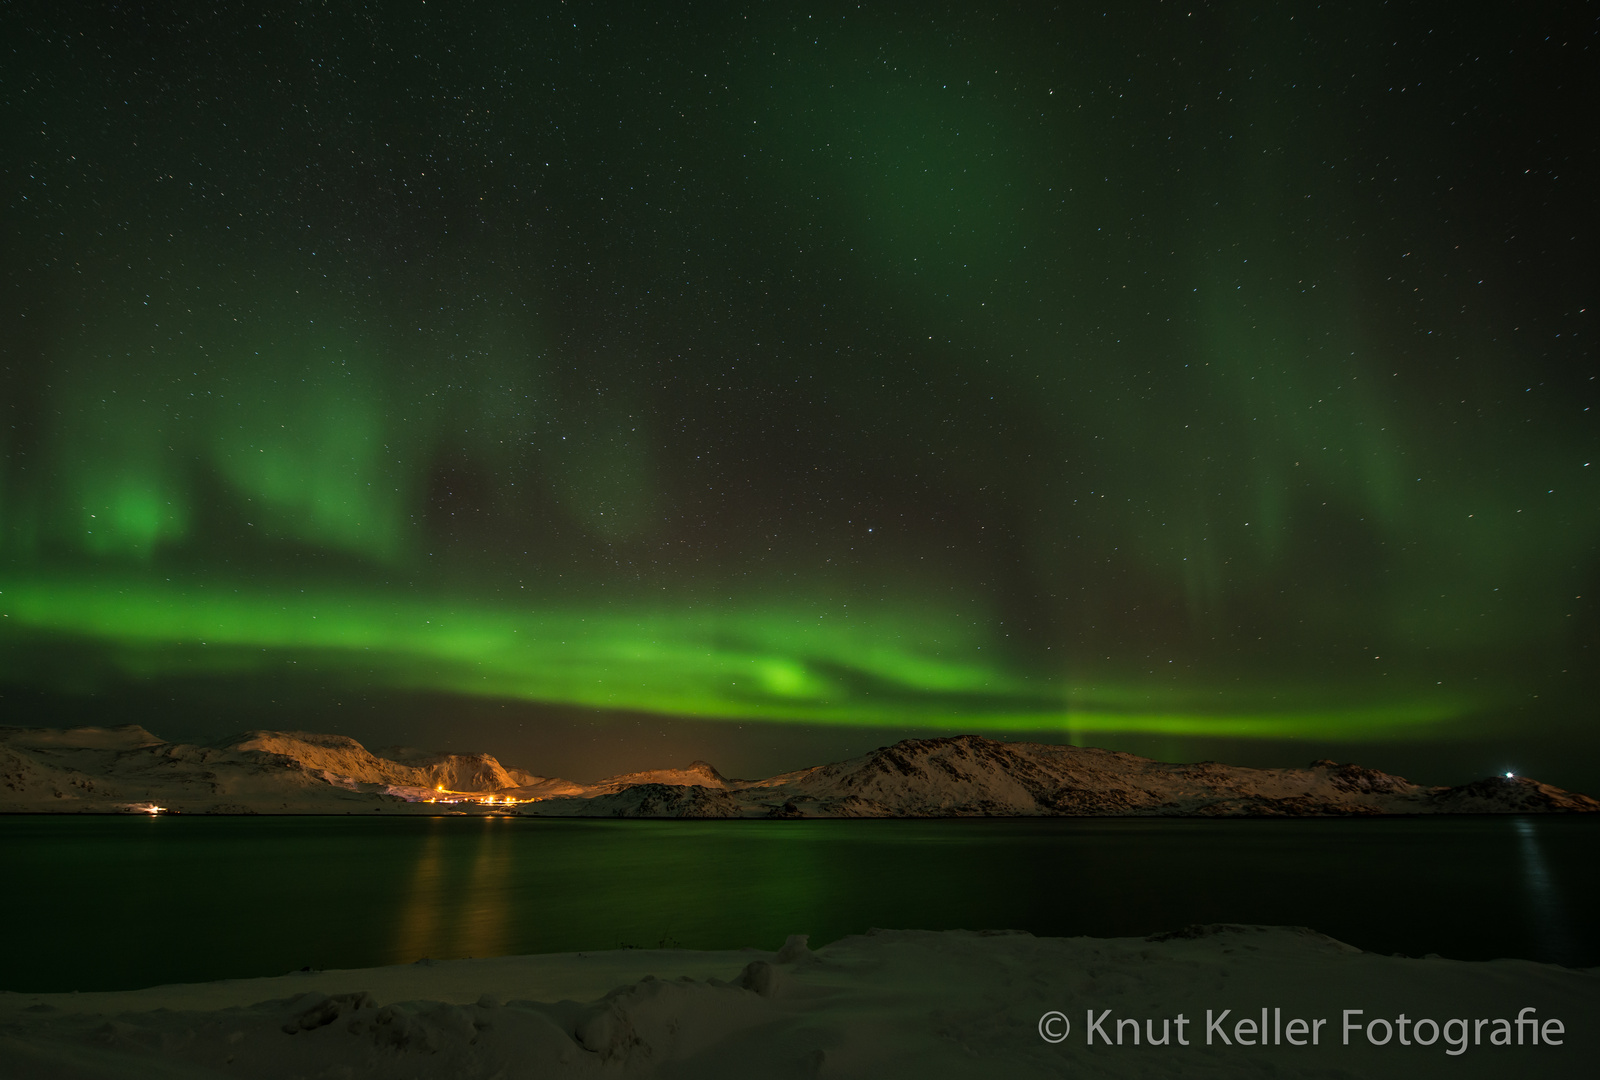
888, 1004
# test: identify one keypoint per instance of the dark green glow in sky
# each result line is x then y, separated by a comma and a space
1194, 373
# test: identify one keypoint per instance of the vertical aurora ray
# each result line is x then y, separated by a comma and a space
332, 470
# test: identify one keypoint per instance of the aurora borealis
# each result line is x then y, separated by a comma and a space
1153, 373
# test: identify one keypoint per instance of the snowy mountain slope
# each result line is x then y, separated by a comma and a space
970, 776
100, 770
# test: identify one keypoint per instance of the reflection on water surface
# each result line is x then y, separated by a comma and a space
123, 901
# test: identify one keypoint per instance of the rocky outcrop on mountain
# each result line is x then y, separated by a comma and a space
1509, 795
698, 774
652, 800
461, 772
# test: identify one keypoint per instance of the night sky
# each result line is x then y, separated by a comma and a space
607, 385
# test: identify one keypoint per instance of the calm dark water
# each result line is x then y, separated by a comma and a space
118, 902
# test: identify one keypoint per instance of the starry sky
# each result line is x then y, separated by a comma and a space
603, 384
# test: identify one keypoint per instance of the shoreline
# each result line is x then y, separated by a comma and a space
310, 813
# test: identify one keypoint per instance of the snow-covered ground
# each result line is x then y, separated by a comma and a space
888, 1004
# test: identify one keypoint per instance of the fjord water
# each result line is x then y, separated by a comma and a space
121, 902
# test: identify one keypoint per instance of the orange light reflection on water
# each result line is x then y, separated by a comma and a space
453, 910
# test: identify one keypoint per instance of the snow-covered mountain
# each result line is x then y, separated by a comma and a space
100, 770
969, 776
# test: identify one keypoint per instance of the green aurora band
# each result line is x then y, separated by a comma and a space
765, 664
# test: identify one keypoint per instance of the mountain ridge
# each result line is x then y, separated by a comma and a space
105, 770
971, 776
